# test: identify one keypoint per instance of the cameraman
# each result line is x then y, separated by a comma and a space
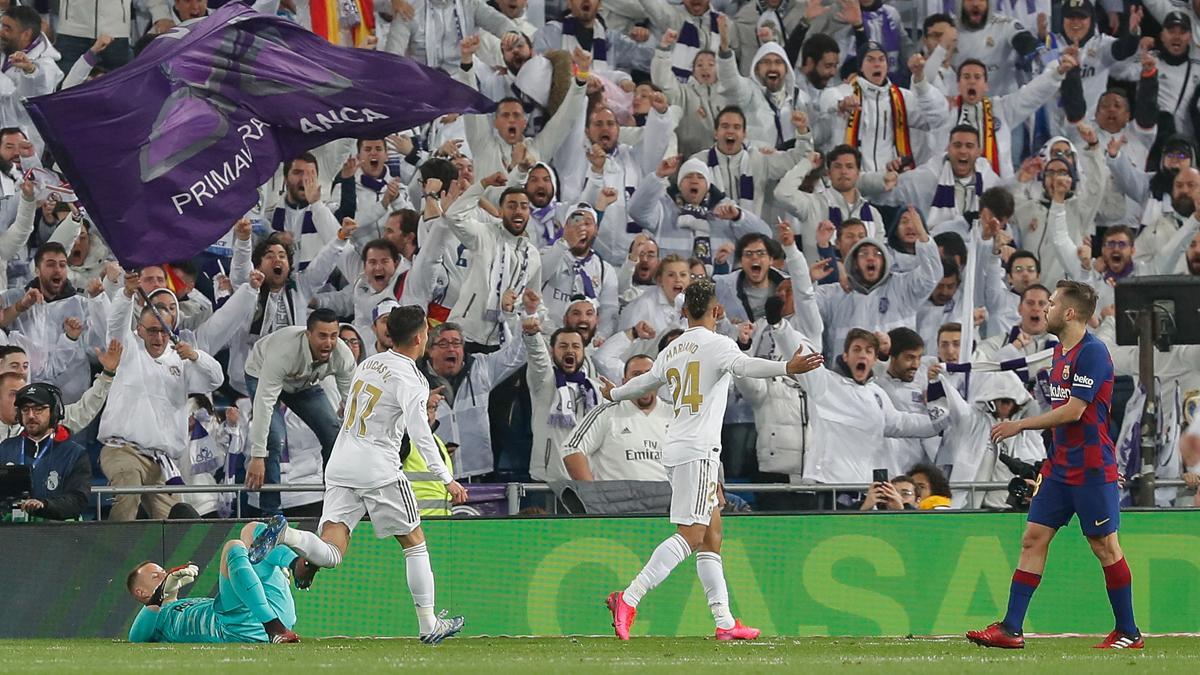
900, 494
61, 472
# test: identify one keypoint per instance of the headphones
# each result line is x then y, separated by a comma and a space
36, 392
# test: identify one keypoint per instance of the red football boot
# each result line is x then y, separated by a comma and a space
996, 635
284, 637
623, 614
1119, 640
738, 632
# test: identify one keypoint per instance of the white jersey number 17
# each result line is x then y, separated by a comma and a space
355, 417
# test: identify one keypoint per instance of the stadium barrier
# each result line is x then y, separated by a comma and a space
514, 492
865, 574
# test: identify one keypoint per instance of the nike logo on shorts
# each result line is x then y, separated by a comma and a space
1101, 522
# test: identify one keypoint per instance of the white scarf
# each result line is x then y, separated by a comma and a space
509, 269
946, 205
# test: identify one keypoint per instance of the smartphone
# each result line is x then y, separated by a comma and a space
879, 476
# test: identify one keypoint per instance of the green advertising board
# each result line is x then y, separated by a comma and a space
872, 574
838, 574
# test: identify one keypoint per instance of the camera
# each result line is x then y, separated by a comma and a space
1020, 492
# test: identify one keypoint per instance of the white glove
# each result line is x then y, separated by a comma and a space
179, 577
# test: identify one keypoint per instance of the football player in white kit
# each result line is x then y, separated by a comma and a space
387, 401
697, 368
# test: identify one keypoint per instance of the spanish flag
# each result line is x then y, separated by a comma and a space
327, 21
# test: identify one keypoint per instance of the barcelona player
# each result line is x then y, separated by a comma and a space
1078, 478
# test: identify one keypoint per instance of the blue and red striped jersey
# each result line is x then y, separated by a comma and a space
1083, 451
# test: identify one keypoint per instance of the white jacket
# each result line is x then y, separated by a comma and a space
16, 85
855, 419
485, 241
700, 103
147, 404
968, 441
908, 397
561, 281
545, 461
492, 153
876, 139
89, 18
783, 411
768, 116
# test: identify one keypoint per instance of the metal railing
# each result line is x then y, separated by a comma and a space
514, 492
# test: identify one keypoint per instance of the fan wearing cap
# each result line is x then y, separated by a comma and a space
1176, 18
1098, 53
60, 469
694, 219
382, 341
995, 39
879, 116
571, 268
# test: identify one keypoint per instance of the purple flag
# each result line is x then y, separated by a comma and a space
167, 152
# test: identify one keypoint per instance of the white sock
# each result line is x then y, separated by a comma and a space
318, 551
420, 584
712, 577
666, 556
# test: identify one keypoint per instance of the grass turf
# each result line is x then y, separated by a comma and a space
580, 655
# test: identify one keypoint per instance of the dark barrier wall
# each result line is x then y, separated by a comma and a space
870, 574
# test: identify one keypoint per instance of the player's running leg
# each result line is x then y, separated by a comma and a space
1008, 633
1099, 517
712, 576
419, 573
693, 499
248, 587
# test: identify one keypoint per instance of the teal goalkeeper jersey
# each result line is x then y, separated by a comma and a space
186, 620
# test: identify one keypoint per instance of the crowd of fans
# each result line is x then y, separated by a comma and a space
845, 171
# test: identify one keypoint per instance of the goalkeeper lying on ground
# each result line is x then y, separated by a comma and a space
253, 602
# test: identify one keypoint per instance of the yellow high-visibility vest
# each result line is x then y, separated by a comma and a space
433, 499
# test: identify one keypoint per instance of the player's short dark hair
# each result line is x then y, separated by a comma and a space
442, 169
972, 62
697, 297
817, 46
565, 330
132, 577
629, 361
27, 16
905, 340
952, 245
261, 248
1114, 230
999, 201
934, 19
508, 192
951, 327
860, 334
46, 249
1018, 254
1035, 287
1080, 296
964, 129
8, 350
320, 315
939, 485
404, 323
381, 244
844, 149
730, 110
306, 157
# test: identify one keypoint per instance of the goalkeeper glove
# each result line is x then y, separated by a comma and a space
177, 578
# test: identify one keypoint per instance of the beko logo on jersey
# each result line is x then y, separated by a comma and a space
1059, 392
1084, 381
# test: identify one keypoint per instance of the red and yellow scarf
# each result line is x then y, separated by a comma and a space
991, 150
900, 131
326, 21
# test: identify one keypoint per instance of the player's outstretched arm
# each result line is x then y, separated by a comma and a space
749, 366
642, 384
1064, 414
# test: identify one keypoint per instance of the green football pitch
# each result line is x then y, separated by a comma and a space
593, 654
